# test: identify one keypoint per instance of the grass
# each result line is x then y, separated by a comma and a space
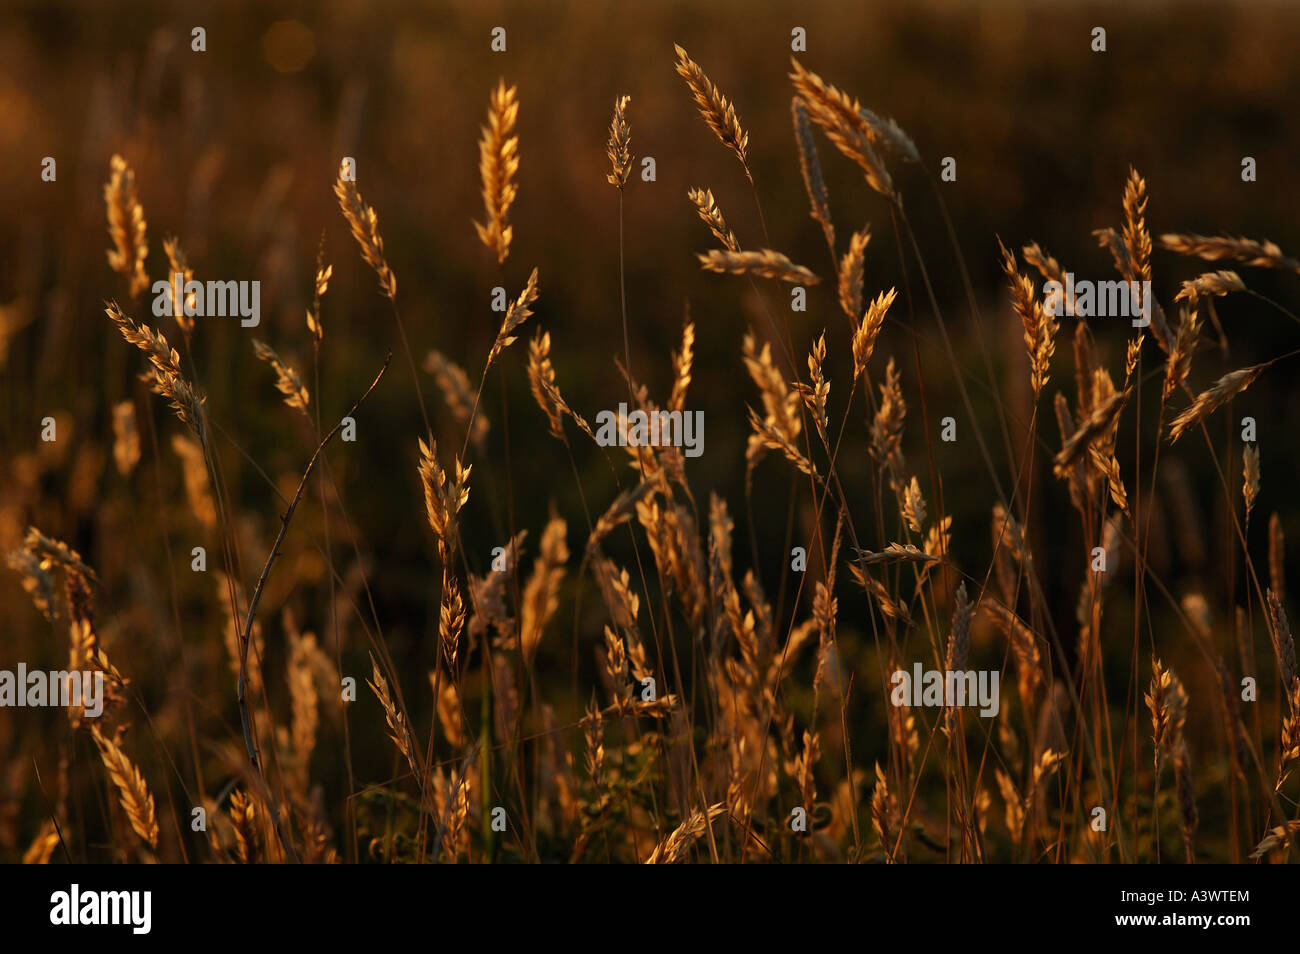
633, 690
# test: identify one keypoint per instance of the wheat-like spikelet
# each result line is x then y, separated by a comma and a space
1180, 356
182, 304
133, 792
248, 835
884, 815
618, 512
126, 437
811, 168
594, 733
1107, 466
711, 216
1137, 240
498, 164
55, 553
1118, 247
448, 705
821, 96
442, 500
619, 148
1024, 646
682, 362
364, 223
541, 594
845, 125
714, 107
913, 506
397, 729
1217, 248
541, 380
884, 601
1048, 267
817, 391
323, 274
287, 379
194, 470
1096, 426
164, 376
850, 275
1211, 283
865, 334
36, 580
451, 620
1167, 701
773, 438
1283, 644
458, 394
765, 263
1209, 401
43, 845
126, 227
1250, 477
304, 700
232, 631
517, 313
1039, 325
674, 847
887, 426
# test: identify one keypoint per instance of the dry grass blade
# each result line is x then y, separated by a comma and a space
541, 595
850, 277
1283, 645
458, 394
864, 336
1250, 477
397, 729
133, 792
126, 227
711, 216
826, 99
714, 107
673, 848
895, 553
888, 605
1209, 401
519, 311
811, 168
183, 305
1039, 324
1217, 248
764, 263
1100, 422
498, 165
164, 375
1137, 240
364, 223
126, 437
619, 148
287, 379
1211, 283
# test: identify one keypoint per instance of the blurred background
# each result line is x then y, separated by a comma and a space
235, 150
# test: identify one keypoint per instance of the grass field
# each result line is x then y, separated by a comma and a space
373, 569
